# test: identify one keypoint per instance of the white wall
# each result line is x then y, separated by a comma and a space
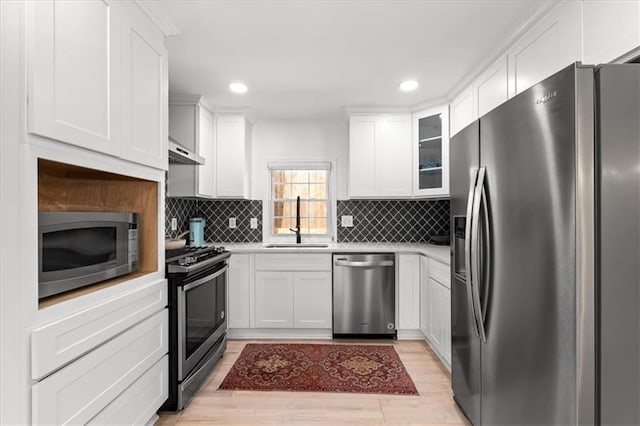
298, 140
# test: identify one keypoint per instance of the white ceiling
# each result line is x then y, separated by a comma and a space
310, 59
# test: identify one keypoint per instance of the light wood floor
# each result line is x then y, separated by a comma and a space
434, 405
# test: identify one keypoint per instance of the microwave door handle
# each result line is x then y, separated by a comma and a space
204, 280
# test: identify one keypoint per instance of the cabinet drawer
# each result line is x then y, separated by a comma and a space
140, 401
293, 262
440, 272
78, 392
62, 341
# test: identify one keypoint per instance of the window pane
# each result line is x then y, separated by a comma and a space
281, 225
281, 175
301, 190
300, 176
318, 176
317, 209
281, 191
318, 226
318, 191
284, 208
304, 226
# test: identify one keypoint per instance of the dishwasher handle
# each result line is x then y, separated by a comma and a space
369, 264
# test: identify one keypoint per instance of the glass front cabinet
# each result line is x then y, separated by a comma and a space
431, 152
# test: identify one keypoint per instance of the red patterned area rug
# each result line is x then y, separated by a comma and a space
319, 368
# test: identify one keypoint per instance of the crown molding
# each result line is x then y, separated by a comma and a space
159, 19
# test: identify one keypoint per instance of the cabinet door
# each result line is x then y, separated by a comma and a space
362, 142
552, 44
238, 291
144, 95
312, 300
431, 153
274, 299
611, 28
393, 157
436, 315
230, 156
408, 291
462, 110
491, 87
74, 73
446, 320
424, 295
206, 173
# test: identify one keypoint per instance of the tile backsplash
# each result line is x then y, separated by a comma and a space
393, 220
373, 220
216, 214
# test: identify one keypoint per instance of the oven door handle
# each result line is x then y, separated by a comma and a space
204, 280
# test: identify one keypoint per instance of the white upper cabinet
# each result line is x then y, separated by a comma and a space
491, 88
380, 156
393, 156
144, 100
431, 152
553, 43
611, 29
97, 78
462, 110
74, 73
191, 124
232, 158
362, 159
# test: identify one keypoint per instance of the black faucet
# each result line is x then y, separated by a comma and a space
297, 230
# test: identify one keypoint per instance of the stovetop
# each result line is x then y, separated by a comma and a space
192, 252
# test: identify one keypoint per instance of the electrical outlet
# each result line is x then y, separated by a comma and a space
174, 224
346, 221
253, 223
232, 222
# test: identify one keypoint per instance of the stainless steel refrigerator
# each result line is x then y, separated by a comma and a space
545, 217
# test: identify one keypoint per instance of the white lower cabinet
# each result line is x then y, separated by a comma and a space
312, 300
408, 291
439, 326
290, 291
81, 390
239, 291
424, 294
293, 299
140, 401
274, 299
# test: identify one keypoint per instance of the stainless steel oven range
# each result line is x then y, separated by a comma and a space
197, 279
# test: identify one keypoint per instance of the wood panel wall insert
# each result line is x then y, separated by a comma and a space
65, 187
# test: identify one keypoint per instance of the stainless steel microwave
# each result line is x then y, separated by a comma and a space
76, 249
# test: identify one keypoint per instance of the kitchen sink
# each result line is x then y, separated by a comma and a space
310, 245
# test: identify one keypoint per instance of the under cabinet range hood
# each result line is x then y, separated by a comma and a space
181, 155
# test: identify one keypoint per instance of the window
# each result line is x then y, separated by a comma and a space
309, 181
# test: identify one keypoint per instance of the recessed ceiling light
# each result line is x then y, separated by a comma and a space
238, 87
409, 85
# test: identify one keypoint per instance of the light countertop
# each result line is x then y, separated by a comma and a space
441, 253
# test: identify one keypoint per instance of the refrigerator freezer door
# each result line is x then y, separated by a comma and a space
618, 89
465, 344
528, 361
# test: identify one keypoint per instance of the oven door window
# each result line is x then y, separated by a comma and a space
205, 312
78, 248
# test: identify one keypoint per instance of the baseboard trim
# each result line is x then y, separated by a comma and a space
410, 335
279, 333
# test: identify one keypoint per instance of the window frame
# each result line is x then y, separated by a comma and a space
267, 205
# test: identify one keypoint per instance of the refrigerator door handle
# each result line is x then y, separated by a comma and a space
475, 253
467, 248
486, 261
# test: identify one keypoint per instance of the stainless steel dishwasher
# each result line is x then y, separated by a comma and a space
364, 294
